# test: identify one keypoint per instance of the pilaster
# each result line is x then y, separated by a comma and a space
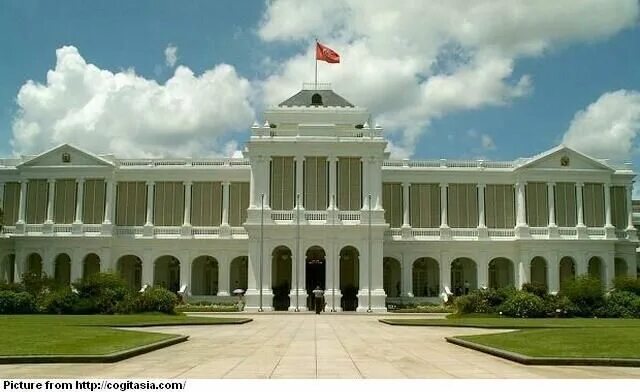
186, 229
47, 228
77, 223
148, 226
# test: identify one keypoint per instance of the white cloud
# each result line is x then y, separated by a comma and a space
129, 115
171, 55
411, 61
484, 141
607, 128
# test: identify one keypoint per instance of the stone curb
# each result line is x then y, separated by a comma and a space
104, 358
545, 361
401, 323
189, 323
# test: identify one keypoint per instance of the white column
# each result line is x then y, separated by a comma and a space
551, 202
631, 230
481, 217
365, 182
147, 268
185, 272
445, 272
223, 275
332, 182
23, 202
150, 187
443, 205
187, 203
629, 191
79, 197
376, 185
407, 276
607, 205
299, 182
109, 206
266, 181
225, 203
52, 191
520, 205
253, 183
405, 204
579, 188
2, 194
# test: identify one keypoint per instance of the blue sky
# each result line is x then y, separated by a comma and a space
565, 75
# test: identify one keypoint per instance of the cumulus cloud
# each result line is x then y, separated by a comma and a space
412, 61
171, 55
607, 128
482, 142
126, 114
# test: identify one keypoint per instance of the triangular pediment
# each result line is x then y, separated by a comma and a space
66, 155
563, 157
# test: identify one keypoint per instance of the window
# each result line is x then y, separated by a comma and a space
37, 195
315, 183
206, 204
424, 205
282, 183
499, 203
238, 203
462, 205
64, 202
566, 204
537, 204
131, 202
593, 207
349, 184
392, 204
11, 202
316, 99
168, 206
618, 207
94, 198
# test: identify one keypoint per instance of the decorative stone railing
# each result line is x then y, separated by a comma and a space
435, 163
183, 162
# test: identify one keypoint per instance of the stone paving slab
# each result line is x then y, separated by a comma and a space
314, 346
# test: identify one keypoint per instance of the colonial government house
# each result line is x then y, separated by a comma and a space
316, 201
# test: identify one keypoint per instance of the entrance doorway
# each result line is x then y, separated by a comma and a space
349, 277
315, 272
281, 277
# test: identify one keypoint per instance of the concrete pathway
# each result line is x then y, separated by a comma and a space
314, 346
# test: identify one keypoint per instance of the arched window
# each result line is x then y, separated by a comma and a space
316, 99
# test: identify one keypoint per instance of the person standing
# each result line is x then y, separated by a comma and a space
318, 296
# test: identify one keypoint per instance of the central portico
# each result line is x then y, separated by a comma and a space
315, 205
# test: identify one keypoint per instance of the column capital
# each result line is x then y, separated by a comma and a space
24, 181
150, 183
444, 184
481, 185
299, 158
551, 183
226, 182
80, 180
51, 180
187, 183
332, 158
406, 184
579, 184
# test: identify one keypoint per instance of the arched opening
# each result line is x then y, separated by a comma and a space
8, 268
166, 273
204, 276
90, 265
238, 274
315, 270
595, 269
391, 277
316, 99
501, 273
349, 277
567, 271
620, 267
464, 275
426, 277
130, 270
62, 271
281, 277
34, 264
539, 271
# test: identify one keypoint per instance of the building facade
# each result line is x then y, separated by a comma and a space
316, 201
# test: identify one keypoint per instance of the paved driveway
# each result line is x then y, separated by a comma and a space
312, 346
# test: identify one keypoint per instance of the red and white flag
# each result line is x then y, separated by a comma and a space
324, 53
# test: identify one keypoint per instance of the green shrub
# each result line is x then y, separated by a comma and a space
535, 288
101, 293
559, 306
627, 283
16, 303
620, 304
586, 293
157, 299
36, 284
523, 304
62, 301
15, 287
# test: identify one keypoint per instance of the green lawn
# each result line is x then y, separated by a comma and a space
65, 335
569, 338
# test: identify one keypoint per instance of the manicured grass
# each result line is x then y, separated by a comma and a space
568, 338
51, 334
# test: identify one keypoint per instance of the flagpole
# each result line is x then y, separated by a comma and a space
316, 58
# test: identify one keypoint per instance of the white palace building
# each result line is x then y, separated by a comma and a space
316, 201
